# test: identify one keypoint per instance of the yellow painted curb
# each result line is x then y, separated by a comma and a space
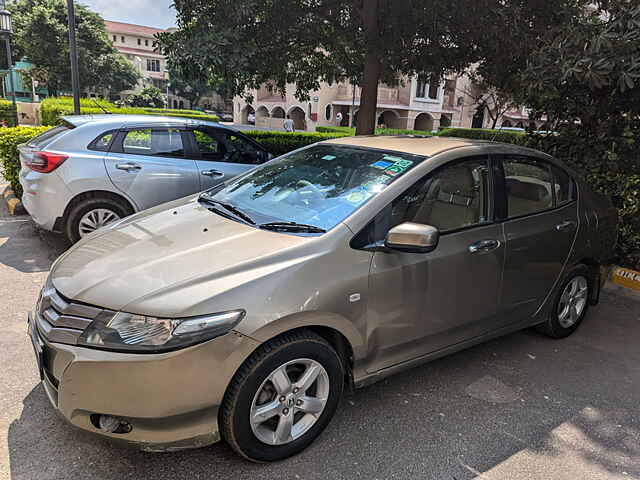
626, 277
14, 205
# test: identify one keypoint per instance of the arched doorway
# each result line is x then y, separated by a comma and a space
424, 123
246, 112
277, 112
175, 103
181, 104
354, 124
298, 117
445, 120
262, 112
532, 126
478, 117
519, 125
507, 124
389, 119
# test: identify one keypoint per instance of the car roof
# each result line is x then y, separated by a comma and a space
116, 120
419, 145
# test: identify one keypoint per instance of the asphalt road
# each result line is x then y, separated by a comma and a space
519, 407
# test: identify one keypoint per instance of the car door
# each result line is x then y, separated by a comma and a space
221, 154
149, 165
421, 303
541, 223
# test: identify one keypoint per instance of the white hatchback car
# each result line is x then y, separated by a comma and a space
93, 170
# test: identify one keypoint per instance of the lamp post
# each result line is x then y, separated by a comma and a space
73, 56
5, 30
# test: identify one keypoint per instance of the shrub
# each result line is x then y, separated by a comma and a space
279, 143
147, 97
379, 131
52, 109
10, 138
7, 113
505, 136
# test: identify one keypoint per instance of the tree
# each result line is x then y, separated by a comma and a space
192, 89
303, 43
116, 73
148, 97
41, 34
366, 41
589, 71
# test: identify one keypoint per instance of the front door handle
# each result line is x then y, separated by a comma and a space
128, 167
484, 246
566, 225
212, 173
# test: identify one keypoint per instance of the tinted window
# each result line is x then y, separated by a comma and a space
528, 186
453, 197
161, 143
320, 185
564, 186
240, 150
103, 142
209, 145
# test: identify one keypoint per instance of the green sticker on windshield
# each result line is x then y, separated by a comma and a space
401, 162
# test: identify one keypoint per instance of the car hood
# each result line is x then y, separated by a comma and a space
161, 251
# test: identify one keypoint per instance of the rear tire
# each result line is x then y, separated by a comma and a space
301, 409
570, 304
110, 209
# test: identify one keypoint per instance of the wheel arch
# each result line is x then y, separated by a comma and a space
338, 331
96, 194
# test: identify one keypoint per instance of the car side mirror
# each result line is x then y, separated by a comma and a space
412, 237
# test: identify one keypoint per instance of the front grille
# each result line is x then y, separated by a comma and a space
61, 320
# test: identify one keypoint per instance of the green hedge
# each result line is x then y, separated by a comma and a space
505, 136
7, 113
52, 109
279, 143
379, 131
10, 138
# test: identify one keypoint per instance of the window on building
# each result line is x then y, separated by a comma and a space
426, 90
139, 41
122, 39
327, 112
115, 38
153, 65
146, 43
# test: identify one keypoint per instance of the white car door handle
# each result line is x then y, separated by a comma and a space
128, 167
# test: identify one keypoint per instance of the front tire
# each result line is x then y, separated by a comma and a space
570, 305
282, 397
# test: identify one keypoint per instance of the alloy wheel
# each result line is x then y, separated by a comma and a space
289, 402
573, 301
95, 219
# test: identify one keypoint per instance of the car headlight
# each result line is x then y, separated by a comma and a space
138, 333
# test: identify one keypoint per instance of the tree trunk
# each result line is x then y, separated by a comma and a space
372, 70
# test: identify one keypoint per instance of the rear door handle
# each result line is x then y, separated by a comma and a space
128, 167
566, 225
212, 173
484, 246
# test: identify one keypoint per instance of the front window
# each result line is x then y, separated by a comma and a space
153, 65
318, 186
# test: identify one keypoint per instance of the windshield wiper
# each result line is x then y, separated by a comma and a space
291, 227
231, 208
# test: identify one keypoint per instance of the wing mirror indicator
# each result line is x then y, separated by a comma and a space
412, 237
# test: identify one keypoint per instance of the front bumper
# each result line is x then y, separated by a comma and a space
170, 400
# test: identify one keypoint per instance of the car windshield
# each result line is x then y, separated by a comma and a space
317, 187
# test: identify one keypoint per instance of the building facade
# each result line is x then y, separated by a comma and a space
138, 45
412, 105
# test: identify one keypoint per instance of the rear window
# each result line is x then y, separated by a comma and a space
49, 135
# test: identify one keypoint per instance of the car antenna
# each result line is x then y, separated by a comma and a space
101, 107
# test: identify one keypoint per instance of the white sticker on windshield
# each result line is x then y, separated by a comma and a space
328, 157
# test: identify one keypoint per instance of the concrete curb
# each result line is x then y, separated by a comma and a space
14, 205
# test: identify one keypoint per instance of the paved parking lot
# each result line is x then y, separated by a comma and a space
519, 407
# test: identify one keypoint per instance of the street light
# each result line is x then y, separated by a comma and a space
6, 30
